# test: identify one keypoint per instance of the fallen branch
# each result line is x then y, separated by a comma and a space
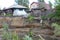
41, 37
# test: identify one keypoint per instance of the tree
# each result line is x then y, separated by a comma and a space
57, 1
40, 0
23, 2
57, 8
16, 1
50, 4
56, 14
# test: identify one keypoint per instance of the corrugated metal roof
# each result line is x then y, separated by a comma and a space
16, 6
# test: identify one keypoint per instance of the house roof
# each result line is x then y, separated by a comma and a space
34, 2
45, 5
16, 6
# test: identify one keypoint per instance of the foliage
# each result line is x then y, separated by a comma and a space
29, 36
5, 26
57, 2
43, 17
7, 35
57, 29
23, 2
57, 12
50, 4
30, 18
55, 15
8, 14
41, 0
15, 36
30, 32
26, 37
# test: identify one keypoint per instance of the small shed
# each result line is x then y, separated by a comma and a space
12, 8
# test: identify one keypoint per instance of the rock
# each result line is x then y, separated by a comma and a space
12, 21
17, 22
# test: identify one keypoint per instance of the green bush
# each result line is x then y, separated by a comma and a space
57, 29
26, 37
7, 35
30, 33
9, 14
30, 18
15, 36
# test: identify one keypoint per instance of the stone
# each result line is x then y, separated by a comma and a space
17, 22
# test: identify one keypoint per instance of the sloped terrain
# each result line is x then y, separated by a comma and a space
19, 25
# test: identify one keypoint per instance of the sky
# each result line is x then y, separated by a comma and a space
8, 3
